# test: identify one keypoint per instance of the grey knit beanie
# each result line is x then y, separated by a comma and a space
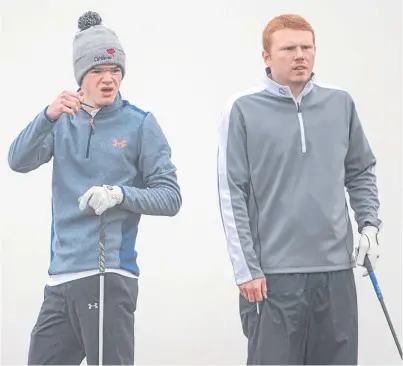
95, 44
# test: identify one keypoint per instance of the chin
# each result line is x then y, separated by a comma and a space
106, 100
301, 79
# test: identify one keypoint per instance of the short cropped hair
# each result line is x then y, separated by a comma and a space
284, 21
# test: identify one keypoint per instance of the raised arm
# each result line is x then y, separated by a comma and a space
33, 146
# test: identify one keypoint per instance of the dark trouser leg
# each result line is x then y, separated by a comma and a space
119, 307
277, 335
333, 333
53, 341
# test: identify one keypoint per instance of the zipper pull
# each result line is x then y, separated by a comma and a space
92, 125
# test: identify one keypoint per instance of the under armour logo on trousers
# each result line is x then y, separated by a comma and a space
91, 306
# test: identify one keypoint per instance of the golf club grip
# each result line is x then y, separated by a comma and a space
102, 244
367, 264
374, 281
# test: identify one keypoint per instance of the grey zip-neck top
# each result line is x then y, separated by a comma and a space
283, 166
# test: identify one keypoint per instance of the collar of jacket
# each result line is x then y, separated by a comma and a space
283, 90
117, 103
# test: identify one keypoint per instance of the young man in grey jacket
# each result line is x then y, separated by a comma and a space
109, 158
288, 149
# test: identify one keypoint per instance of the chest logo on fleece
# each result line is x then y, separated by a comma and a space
117, 143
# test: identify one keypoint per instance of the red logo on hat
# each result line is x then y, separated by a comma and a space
110, 51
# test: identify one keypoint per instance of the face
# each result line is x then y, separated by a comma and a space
291, 57
101, 84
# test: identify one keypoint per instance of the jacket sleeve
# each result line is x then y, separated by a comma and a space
161, 195
33, 146
233, 192
360, 178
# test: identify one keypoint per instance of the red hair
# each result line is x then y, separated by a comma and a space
284, 21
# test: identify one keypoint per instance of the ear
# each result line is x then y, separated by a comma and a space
266, 58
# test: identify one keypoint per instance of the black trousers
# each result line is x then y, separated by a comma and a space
307, 319
66, 330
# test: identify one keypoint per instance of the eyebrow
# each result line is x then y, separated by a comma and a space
296, 45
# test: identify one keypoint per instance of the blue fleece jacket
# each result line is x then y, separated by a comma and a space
123, 146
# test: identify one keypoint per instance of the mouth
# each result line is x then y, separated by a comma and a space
106, 90
300, 68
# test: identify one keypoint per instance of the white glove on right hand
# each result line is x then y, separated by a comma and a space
101, 198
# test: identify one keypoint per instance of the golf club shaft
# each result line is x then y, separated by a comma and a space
378, 291
101, 318
399, 348
101, 287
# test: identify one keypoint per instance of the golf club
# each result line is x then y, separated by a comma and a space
368, 266
101, 285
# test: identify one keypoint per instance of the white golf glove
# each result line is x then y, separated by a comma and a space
368, 246
101, 198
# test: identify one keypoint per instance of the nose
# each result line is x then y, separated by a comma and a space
299, 53
107, 77
107, 80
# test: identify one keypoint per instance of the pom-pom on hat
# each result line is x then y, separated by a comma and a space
94, 45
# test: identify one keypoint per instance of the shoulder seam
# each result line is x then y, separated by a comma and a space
235, 97
329, 86
144, 114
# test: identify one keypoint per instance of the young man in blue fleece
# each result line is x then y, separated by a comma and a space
111, 158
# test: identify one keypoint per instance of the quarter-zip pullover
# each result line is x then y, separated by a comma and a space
121, 145
283, 166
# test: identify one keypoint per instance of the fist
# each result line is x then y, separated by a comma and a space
368, 247
67, 102
254, 290
100, 198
